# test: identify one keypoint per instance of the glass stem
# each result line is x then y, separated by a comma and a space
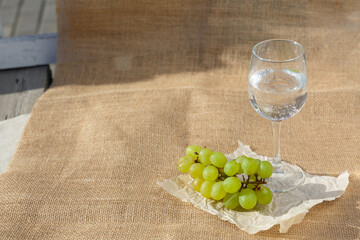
277, 164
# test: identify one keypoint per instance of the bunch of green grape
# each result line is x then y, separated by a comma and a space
237, 182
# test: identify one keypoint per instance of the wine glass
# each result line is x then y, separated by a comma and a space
277, 91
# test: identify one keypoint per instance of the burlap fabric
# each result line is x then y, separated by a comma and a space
137, 81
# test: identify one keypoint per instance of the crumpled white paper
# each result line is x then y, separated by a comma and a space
286, 209
10, 132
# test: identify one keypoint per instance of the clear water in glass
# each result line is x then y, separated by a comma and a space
277, 94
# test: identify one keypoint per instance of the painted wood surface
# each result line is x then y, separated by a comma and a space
28, 51
1, 31
27, 17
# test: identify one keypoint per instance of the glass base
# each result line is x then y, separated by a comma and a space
286, 178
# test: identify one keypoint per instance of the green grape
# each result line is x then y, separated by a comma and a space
247, 198
249, 165
231, 168
265, 169
218, 159
210, 173
253, 178
231, 184
197, 184
185, 165
204, 156
205, 189
183, 158
217, 191
239, 159
294, 70
264, 195
192, 150
258, 164
196, 170
231, 200
240, 170
251, 186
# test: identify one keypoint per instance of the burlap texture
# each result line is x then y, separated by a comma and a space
137, 81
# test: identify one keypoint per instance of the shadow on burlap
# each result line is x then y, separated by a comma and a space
137, 81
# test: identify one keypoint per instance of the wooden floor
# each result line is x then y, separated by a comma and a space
19, 88
27, 17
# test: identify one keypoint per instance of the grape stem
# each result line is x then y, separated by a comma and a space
256, 183
222, 176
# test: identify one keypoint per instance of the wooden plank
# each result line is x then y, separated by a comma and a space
9, 12
41, 16
29, 17
1, 31
48, 23
28, 51
19, 89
